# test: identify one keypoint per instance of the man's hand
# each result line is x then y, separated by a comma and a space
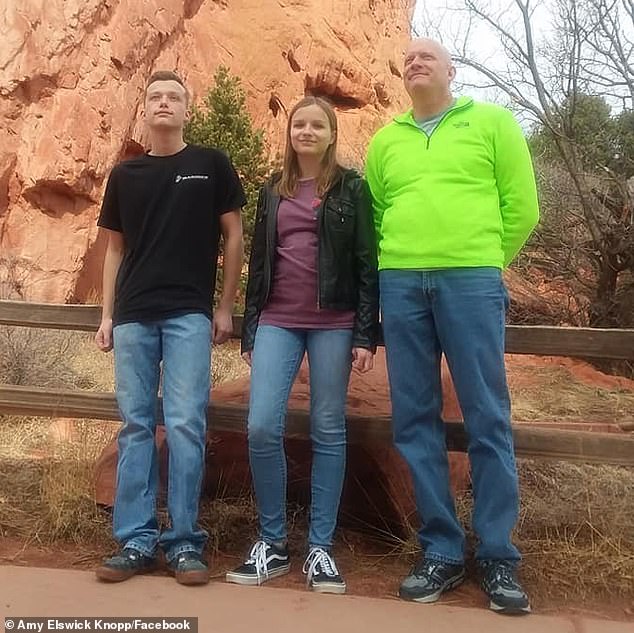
222, 325
246, 357
231, 229
103, 338
362, 359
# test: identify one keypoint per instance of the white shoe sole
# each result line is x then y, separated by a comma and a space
247, 579
509, 610
328, 588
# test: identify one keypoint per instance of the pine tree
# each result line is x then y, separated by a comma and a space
223, 121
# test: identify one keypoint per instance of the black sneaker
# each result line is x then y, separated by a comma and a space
189, 569
321, 572
124, 565
265, 561
504, 591
429, 579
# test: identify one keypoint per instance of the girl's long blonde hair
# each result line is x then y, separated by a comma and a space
287, 184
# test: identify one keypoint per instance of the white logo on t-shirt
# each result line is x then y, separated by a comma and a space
180, 178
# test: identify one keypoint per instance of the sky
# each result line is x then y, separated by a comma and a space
441, 19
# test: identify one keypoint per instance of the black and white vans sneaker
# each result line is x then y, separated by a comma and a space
321, 572
265, 561
503, 589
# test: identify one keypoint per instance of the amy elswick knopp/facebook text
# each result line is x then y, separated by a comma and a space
42, 625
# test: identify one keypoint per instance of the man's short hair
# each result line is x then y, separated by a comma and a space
166, 75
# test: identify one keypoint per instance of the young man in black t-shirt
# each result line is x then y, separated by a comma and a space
164, 213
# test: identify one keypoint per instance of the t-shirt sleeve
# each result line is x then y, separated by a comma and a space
110, 216
229, 192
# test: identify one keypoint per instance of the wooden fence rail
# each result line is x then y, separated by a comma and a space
539, 443
534, 442
520, 339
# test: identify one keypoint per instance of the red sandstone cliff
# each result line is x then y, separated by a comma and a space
72, 74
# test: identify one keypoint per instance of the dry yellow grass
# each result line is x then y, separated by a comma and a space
47, 490
94, 369
552, 394
227, 364
576, 530
35, 357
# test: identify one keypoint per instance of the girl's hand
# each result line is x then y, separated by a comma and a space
362, 359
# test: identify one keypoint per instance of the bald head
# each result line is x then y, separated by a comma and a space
427, 44
428, 70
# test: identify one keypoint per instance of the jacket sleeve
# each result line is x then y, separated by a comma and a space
516, 185
255, 277
366, 322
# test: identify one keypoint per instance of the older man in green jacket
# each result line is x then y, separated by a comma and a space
454, 201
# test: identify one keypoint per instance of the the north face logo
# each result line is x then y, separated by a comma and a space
180, 178
461, 124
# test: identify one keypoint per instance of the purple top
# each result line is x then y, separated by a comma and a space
293, 301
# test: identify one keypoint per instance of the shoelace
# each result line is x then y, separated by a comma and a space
426, 568
505, 576
258, 558
318, 557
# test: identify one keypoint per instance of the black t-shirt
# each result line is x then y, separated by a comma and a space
168, 209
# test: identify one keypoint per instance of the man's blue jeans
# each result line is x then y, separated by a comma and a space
460, 312
183, 343
276, 359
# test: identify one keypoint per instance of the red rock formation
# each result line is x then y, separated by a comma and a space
72, 76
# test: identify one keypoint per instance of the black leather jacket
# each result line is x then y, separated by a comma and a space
348, 277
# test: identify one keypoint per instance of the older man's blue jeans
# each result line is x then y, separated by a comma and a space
183, 344
460, 312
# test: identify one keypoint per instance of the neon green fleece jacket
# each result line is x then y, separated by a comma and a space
465, 196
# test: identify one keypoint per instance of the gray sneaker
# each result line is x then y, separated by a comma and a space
429, 579
505, 593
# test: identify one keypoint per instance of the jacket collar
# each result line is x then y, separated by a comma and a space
408, 117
